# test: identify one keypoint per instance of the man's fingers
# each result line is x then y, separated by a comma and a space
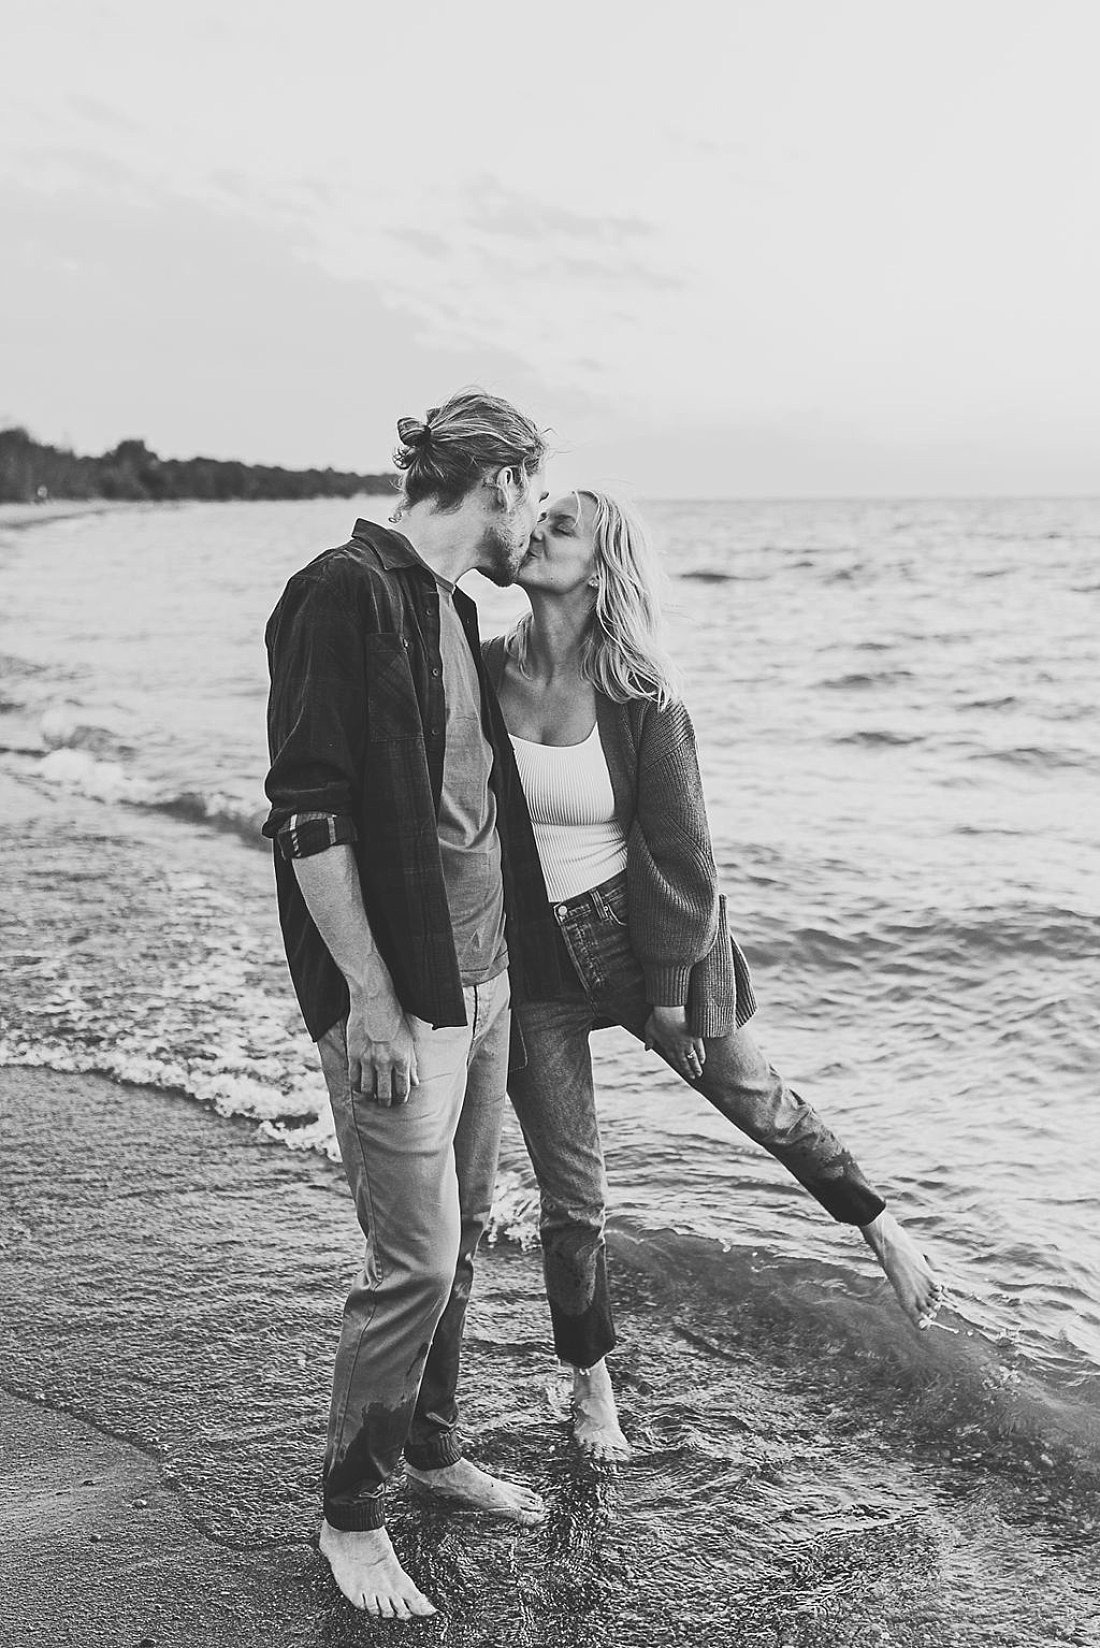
383, 1071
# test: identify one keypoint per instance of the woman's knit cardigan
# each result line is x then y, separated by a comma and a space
676, 915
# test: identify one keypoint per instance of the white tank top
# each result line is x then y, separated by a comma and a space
572, 807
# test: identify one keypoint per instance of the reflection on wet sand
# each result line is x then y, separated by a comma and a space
804, 1470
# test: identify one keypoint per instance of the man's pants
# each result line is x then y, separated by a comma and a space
422, 1177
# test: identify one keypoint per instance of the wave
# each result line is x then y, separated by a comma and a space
936, 939
228, 1081
218, 812
708, 575
62, 728
878, 738
952, 1382
19, 668
1033, 757
858, 679
79, 769
1009, 701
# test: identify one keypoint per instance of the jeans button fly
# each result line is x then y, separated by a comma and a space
562, 910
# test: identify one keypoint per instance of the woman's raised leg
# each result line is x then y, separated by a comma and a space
738, 1080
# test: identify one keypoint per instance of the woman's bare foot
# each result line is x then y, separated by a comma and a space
465, 1484
595, 1420
365, 1567
920, 1291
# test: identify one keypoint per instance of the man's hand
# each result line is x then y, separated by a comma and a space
381, 1050
667, 1029
381, 1053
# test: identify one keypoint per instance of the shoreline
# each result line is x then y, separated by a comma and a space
169, 1306
162, 1464
17, 517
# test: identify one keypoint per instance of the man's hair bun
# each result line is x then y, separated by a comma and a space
411, 432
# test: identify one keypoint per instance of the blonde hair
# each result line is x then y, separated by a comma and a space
622, 652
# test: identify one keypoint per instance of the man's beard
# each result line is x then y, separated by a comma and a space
504, 549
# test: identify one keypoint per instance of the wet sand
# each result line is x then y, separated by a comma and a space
169, 1302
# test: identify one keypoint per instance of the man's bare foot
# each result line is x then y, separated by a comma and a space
365, 1567
465, 1484
595, 1421
920, 1291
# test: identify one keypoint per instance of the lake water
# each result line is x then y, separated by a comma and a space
896, 706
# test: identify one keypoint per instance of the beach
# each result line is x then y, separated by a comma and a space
904, 840
169, 1313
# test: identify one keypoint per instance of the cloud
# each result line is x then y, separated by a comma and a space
422, 240
514, 216
100, 113
631, 271
202, 331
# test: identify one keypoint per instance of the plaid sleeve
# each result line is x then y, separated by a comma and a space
305, 834
316, 712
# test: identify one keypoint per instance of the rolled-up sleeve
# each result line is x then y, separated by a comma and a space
316, 717
306, 834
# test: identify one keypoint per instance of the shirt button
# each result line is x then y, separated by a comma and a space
436, 672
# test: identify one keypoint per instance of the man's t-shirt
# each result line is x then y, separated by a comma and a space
468, 841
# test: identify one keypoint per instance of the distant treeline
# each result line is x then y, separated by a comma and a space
30, 471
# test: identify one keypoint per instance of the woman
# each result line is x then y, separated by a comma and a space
606, 753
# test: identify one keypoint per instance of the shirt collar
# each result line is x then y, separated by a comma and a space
391, 548
394, 550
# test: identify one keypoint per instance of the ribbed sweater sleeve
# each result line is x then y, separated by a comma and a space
673, 879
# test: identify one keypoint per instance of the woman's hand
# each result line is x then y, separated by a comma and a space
667, 1028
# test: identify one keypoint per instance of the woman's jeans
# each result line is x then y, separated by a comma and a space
422, 1177
554, 1099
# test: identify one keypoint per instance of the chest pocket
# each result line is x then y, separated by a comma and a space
393, 709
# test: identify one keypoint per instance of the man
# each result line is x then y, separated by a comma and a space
408, 880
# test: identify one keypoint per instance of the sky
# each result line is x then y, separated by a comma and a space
747, 248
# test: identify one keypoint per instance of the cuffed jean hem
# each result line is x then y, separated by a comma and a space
584, 1340
433, 1456
358, 1516
853, 1204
